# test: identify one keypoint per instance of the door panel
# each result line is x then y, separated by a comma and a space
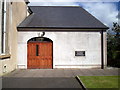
39, 55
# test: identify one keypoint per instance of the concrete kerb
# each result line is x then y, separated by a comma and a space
81, 83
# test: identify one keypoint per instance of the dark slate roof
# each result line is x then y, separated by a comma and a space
60, 17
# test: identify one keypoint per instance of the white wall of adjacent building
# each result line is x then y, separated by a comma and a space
15, 14
64, 46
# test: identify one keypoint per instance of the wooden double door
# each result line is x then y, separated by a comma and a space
39, 55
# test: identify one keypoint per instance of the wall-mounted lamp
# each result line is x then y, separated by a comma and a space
41, 34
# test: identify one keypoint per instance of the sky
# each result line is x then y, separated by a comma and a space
104, 10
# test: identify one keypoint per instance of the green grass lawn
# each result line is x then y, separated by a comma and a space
100, 81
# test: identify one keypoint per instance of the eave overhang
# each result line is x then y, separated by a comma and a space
49, 29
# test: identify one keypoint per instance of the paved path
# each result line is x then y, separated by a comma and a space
62, 72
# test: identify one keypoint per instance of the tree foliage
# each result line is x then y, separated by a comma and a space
113, 47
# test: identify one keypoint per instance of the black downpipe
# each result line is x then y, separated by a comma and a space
102, 51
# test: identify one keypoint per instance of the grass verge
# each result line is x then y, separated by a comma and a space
100, 81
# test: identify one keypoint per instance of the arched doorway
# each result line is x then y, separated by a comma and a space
39, 53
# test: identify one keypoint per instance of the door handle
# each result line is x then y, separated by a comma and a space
37, 50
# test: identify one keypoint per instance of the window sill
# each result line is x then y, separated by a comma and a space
5, 56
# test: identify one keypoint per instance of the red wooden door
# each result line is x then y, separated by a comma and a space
39, 55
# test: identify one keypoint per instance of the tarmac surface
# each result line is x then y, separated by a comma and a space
61, 82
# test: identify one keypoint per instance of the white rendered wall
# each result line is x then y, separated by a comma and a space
64, 46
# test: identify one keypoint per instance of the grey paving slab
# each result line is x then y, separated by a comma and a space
96, 72
59, 73
16, 73
49, 73
12, 74
39, 73
28, 74
40, 82
105, 73
68, 73
92, 72
86, 72
111, 71
76, 72
81, 73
